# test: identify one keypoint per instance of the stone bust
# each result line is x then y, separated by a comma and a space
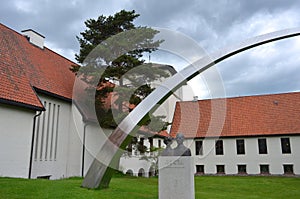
181, 150
168, 151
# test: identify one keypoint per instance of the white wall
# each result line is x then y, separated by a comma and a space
57, 144
135, 164
16, 131
71, 131
15, 144
275, 159
75, 144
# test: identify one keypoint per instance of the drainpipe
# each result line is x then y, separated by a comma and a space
32, 144
83, 149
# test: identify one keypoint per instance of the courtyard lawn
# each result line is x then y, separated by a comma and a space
132, 187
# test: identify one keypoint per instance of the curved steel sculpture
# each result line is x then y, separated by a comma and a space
99, 173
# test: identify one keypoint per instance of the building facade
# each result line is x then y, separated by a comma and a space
38, 137
259, 134
44, 130
44, 134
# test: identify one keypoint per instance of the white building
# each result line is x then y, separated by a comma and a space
42, 134
37, 134
259, 134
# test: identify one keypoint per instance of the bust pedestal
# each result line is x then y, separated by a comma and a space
176, 177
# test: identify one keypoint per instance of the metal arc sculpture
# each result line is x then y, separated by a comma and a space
100, 172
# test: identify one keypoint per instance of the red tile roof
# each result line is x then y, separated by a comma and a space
163, 133
25, 69
263, 115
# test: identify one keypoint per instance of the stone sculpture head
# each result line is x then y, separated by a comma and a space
179, 138
181, 150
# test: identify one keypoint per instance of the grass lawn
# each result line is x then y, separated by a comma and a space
132, 187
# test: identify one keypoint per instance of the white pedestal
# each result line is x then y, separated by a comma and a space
176, 177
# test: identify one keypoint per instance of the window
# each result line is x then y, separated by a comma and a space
52, 131
46, 135
220, 169
37, 136
141, 172
152, 148
159, 143
129, 149
142, 141
47, 131
285, 145
240, 147
264, 169
242, 169
219, 147
288, 169
199, 147
129, 172
56, 132
262, 146
151, 142
42, 133
200, 169
141, 147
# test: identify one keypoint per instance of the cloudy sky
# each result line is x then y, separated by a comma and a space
273, 68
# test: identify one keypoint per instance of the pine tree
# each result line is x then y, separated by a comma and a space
130, 75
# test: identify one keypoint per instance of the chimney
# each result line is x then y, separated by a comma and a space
34, 37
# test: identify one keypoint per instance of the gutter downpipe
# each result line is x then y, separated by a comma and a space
83, 149
32, 144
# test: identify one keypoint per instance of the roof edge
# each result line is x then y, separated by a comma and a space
20, 104
38, 90
244, 96
85, 118
249, 136
34, 32
68, 59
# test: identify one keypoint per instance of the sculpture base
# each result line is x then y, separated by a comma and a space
176, 177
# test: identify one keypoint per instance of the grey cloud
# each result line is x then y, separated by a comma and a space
245, 74
212, 24
59, 21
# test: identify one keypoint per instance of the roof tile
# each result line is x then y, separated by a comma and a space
243, 116
24, 66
